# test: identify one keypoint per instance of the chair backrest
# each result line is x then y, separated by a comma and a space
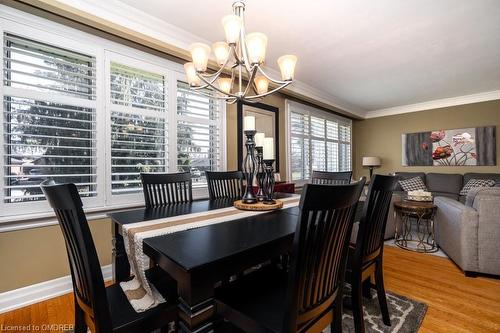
88, 283
167, 188
320, 251
370, 238
225, 184
331, 178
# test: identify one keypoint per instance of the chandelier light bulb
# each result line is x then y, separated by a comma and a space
193, 79
232, 26
221, 51
287, 66
225, 84
256, 46
199, 54
261, 84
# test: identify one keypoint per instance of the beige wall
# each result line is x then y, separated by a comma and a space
382, 136
37, 255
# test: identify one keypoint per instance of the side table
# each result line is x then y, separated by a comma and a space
416, 229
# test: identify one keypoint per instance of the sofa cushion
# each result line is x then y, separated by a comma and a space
474, 175
473, 183
407, 175
444, 182
453, 196
412, 184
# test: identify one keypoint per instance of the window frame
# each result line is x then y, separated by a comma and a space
22, 30
292, 106
15, 216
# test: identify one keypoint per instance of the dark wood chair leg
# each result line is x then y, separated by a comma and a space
80, 325
367, 285
379, 279
336, 325
357, 305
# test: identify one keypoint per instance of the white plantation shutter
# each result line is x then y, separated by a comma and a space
49, 119
138, 106
78, 108
318, 141
198, 133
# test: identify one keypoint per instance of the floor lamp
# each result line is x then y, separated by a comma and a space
371, 163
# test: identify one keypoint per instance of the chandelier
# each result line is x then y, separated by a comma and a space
240, 55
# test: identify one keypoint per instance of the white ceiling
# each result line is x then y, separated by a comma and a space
371, 54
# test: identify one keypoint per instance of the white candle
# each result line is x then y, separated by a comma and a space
249, 123
268, 150
259, 139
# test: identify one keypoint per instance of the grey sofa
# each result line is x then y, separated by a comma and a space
469, 233
440, 184
467, 228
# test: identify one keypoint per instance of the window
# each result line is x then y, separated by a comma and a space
318, 140
137, 101
49, 119
198, 135
82, 109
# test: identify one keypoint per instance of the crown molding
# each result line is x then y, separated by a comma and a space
118, 14
435, 104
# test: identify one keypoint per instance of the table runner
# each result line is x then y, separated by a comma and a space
141, 294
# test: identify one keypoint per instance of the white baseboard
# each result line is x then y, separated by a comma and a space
18, 298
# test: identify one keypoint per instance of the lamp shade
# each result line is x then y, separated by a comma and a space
256, 46
371, 161
225, 84
287, 66
261, 84
199, 54
232, 26
193, 79
221, 51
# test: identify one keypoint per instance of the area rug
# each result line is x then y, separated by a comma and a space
406, 315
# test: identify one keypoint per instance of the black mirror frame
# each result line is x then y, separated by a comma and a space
239, 110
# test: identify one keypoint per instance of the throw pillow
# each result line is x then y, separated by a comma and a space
412, 184
476, 183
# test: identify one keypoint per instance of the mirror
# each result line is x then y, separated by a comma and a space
266, 121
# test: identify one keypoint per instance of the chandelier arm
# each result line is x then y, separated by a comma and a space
216, 74
217, 88
251, 79
235, 54
287, 83
271, 79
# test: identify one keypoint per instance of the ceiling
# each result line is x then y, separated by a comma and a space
371, 54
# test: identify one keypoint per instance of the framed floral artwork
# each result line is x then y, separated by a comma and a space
451, 147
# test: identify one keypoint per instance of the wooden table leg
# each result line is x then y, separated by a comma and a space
196, 306
120, 264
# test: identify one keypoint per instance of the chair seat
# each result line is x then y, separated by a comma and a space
125, 319
256, 302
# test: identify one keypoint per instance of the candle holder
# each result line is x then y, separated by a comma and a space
269, 182
248, 167
261, 173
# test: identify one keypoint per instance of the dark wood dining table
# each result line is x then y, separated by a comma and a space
200, 258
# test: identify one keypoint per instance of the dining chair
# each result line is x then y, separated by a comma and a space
331, 178
365, 256
224, 184
307, 297
166, 188
102, 309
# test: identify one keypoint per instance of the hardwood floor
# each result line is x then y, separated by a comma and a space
456, 303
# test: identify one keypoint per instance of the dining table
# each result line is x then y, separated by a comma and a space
200, 258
